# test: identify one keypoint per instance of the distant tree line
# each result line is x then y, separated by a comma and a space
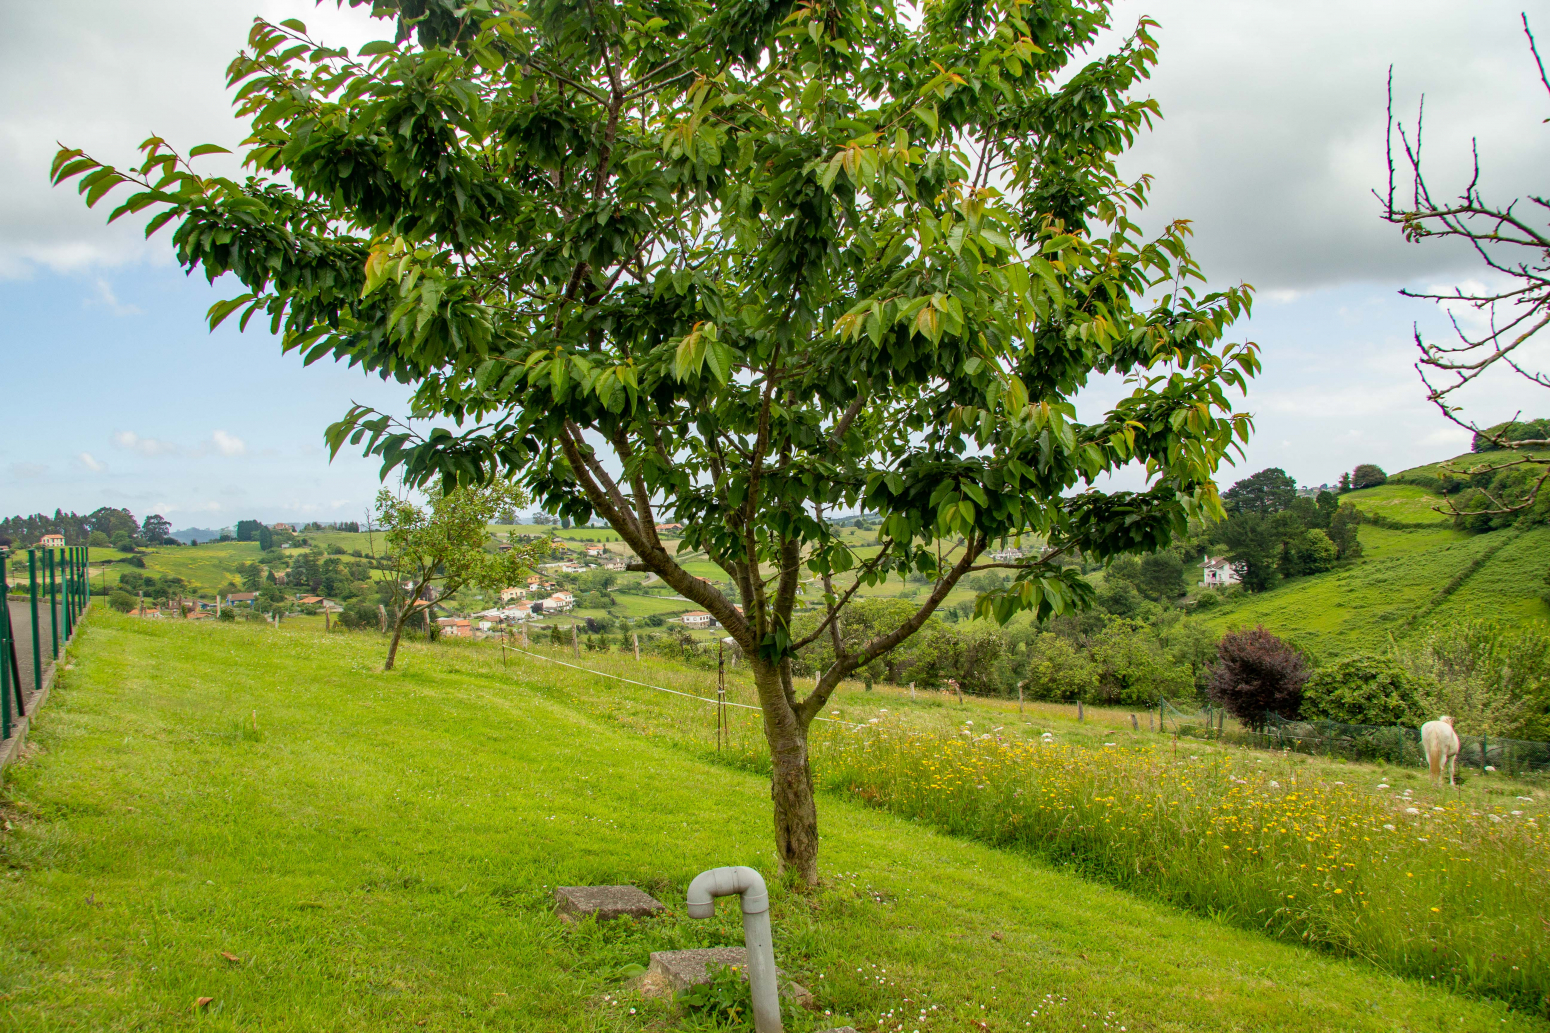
101, 527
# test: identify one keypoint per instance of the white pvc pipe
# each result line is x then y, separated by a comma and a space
749, 885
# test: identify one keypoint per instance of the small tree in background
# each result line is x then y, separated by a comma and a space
155, 528
1257, 673
1342, 531
1492, 677
1368, 475
444, 541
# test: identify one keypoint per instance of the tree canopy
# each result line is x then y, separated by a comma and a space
739, 267
1264, 493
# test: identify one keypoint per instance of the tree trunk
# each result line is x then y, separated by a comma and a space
398, 631
791, 782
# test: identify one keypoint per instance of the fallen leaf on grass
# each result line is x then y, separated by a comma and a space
229, 956
997, 936
203, 1002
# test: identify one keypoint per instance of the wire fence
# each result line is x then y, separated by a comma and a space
1390, 744
1395, 744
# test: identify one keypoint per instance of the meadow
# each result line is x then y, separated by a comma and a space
263, 818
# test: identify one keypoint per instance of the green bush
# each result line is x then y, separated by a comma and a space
1057, 670
121, 601
1362, 690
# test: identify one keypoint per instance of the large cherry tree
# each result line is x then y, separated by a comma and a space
741, 267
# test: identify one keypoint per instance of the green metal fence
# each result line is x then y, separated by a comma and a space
38, 623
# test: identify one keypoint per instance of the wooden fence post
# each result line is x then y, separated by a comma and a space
575, 643
635, 637
1135, 725
1080, 713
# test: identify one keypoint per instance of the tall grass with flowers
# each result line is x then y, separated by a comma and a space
1447, 894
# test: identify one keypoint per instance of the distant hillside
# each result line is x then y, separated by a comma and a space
1407, 579
195, 534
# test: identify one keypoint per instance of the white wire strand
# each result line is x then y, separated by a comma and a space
658, 688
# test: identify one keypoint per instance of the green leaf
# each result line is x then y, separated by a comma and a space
207, 148
928, 116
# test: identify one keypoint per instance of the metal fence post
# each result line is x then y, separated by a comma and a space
53, 598
5, 651
67, 586
37, 642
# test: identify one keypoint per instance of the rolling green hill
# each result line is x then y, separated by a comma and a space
1406, 579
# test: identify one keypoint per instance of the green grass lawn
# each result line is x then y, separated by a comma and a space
376, 851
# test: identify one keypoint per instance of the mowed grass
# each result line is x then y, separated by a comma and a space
1405, 502
378, 855
1397, 586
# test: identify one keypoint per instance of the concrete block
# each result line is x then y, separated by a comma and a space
605, 902
675, 971
682, 969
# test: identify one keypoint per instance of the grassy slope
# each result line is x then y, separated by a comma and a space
1466, 462
1396, 582
378, 854
1404, 502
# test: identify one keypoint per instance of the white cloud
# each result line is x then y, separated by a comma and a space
91, 463
1272, 135
145, 446
107, 299
103, 75
227, 444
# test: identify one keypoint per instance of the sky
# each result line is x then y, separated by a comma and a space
1271, 141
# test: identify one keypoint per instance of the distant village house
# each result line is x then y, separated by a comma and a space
1218, 573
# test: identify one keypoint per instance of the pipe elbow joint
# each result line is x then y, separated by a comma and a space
724, 882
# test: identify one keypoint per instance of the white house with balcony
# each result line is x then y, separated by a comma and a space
1218, 573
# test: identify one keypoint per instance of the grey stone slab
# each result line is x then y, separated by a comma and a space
605, 902
683, 969
677, 971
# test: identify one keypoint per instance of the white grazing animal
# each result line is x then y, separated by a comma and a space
1441, 744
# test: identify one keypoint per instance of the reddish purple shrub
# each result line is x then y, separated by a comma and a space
1256, 673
